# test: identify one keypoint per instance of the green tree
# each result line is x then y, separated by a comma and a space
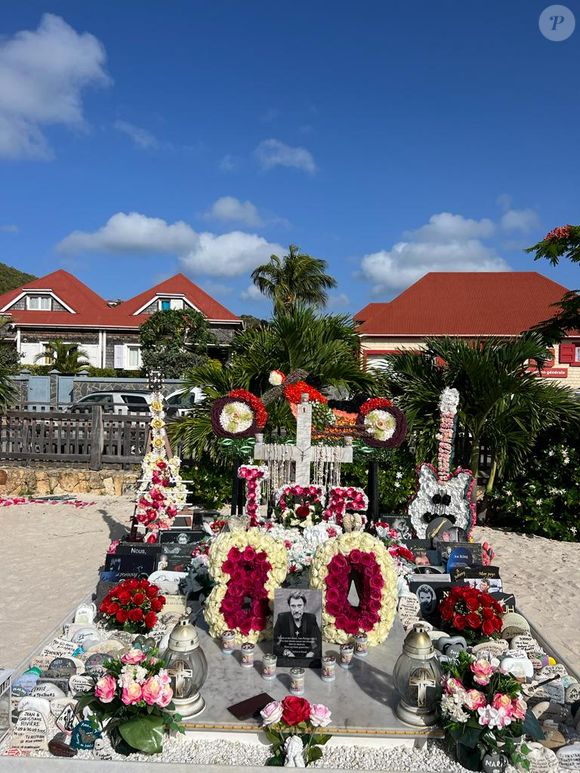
68, 359
11, 278
503, 404
561, 242
174, 340
9, 357
296, 279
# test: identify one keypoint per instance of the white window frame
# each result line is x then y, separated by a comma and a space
130, 348
39, 298
577, 353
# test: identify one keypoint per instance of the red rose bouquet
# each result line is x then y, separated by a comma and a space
298, 719
472, 612
132, 605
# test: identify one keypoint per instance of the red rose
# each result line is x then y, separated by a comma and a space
138, 599
473, 620
132, 584
144, 583
459, 622
113, 608
121, 616
488, 627
150, 619
136, 615
295, 710
152, 591
472, 603
124, 597
157, 605
162, 599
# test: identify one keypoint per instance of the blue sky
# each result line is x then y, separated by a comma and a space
138, 139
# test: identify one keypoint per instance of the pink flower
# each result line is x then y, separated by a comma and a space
452, 686
105, 688
319, 715
518, 708
501, 701
131, 693
272, 712
482, 671
164, 677
165, 696
113, 546
474, 700
133, 657
152, 688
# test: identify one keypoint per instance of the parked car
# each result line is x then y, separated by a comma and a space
115, 402
180, 402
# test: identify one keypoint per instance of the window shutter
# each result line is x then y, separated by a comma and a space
119, 360
567, 352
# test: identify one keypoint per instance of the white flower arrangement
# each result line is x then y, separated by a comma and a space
221, 571
331, 574
302, 544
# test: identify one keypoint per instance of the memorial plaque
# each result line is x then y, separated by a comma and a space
60, 647
30, 732
175, 606
429, 589
83, 735
401, 523
137, 563
445, 549
66, 720
409, 610
507, 600
513, 624
94, 665
34, 703
62, 667
181, 537
525, 642
46, 688
557, 670
459, 560
167, 582
496, 648
552, 691
174, 558
79, 683
569, 756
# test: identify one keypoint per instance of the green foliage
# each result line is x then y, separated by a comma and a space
294, 280
568, 246
68, 359
543, 497
144, 733
212, 484
9, 357
502, 406
174, 340
565, 319
11, 278
396, 473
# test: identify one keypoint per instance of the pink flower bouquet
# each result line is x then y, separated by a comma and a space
295, 716
132, 702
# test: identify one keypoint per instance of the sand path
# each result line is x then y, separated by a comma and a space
51, 555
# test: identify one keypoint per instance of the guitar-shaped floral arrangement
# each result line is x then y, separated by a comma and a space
442, 493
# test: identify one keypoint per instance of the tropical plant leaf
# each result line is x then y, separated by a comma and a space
144, 733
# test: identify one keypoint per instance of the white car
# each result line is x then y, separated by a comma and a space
121, 403
180, 402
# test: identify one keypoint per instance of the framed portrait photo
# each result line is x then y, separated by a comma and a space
298, 627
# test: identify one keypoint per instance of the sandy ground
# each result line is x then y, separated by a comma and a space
51, 555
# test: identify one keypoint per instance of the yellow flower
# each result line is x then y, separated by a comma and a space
157, 423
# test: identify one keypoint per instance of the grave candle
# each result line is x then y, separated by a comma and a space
346, 653
248, 654
361, 645
297, 681
328, 668
228, 642
269, 666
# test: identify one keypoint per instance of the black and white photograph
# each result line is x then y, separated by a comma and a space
298, 627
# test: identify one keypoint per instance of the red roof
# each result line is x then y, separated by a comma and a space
465, 304
93, 311
176, 285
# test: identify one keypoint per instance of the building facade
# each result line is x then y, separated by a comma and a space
469, 305
60, 306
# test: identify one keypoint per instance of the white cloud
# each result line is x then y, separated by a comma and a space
251, 293
216, 288
229, 163
339, 301
9, 229
446, 243
522, 220
141, 137
205, 253
230, 209
42, 76
271, 153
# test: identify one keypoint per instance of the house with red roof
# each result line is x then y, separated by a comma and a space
469, 305
60, 306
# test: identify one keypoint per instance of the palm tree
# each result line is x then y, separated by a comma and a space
503, 404
295, 279
66, 358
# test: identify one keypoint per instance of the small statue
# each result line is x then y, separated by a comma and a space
353, 522
294, 749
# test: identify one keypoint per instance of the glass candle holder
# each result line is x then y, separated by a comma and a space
269, 666
248, 654
328, 668
297, 681
346, 653
361, 645
228, 642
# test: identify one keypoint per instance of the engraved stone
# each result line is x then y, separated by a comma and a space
30, 732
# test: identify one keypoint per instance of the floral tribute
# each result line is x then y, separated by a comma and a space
132, 605
253, 475
297, 505
132, 702
302, 544
381, 424
247, 567
345, 499
360, 558
483, 710
474, 613
298, 717
293, 393
240, 414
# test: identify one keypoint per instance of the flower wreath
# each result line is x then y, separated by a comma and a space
247, 567
357, 556
239, 414
297, 505
343, 500
253, 474
381, 424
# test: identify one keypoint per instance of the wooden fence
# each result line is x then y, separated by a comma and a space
94, 438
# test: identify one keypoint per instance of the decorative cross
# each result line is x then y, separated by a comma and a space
422, 679
303, 452
180, 673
